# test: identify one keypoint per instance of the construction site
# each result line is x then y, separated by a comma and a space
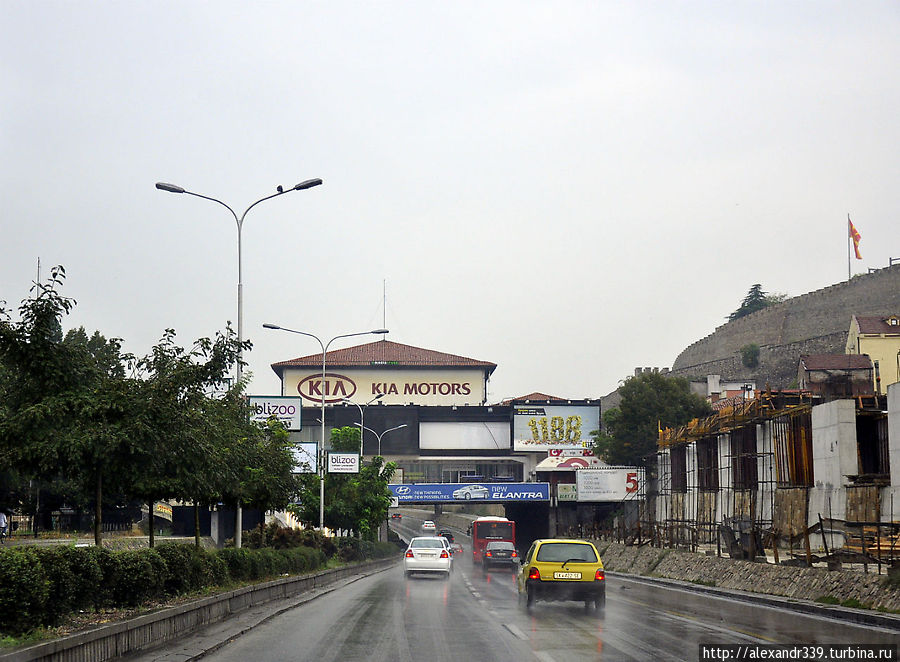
789, 477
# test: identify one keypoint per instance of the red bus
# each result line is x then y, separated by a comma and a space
489, 529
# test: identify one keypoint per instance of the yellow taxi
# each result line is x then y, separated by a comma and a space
562, 569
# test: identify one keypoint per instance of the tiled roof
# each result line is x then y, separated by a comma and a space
384, 353
877, 325
534, 397
836, 361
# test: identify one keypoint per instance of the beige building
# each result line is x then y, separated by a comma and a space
879, 337
400, 374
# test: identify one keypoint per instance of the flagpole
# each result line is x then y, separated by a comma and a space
848, 247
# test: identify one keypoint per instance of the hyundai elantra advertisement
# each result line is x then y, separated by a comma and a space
466, 492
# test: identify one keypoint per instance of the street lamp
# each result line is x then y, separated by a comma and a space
361, 418
380, 435
324, 347
173, 188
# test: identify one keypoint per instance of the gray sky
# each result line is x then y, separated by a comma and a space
567, 189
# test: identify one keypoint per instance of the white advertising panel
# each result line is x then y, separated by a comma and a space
615, 484
305, 458
464, 436
550, 427
397, 386
285, 409
343, 463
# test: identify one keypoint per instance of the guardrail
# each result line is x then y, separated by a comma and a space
152, 630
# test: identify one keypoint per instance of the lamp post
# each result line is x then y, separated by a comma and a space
361, 418
324, 347
173, 188
380, 435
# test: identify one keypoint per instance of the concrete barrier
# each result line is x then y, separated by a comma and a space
151, 630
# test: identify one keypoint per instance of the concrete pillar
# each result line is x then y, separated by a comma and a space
890, 503
834, 457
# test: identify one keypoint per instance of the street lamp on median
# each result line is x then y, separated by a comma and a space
361, 418
380, 435
174, 188
324, 347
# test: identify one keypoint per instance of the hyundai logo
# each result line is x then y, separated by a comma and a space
403, 489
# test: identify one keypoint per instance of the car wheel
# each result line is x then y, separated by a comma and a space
600, 604
447, 575
408, 574
468, 496
529, 599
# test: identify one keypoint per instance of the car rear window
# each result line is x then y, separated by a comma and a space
426, 543
560, 552
500, 545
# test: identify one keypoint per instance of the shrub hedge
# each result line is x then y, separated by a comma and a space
40, 585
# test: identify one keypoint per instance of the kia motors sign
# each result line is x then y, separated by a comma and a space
285, 409
343, 463
334, 388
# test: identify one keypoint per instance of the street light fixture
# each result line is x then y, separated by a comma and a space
174, 188
324, 347
382, 434
361, 418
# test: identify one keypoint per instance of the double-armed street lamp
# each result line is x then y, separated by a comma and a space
362, 418
321, 453
379, 435
239, 220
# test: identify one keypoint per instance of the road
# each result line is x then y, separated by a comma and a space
386, 617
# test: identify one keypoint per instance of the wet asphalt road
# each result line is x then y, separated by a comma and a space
472, 616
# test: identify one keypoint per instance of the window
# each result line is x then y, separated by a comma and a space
743, 458
679, 468
708, 464
792, 436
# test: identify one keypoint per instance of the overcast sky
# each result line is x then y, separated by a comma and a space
566, 189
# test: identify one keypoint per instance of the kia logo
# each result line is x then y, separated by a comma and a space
334, 388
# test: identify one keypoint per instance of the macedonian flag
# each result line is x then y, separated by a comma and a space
855, 236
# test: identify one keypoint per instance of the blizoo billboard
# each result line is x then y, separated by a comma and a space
549, 427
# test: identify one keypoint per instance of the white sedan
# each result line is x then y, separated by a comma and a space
428, 526
428, 554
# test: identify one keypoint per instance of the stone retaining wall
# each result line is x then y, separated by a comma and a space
787, 581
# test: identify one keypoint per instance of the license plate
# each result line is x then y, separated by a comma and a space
566, 575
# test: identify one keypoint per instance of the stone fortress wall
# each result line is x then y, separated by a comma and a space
813, 323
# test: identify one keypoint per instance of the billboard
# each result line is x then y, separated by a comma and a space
467, 492
305, 454
613, 484
463, 435
343, 463
551, 427
285, 409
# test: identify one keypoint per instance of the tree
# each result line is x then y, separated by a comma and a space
357, 502
649, 401
755, 300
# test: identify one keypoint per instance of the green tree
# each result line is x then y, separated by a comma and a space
649, 400
756, 299
357, 502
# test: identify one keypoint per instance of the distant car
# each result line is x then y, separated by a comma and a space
500, 553
562, 569
428, 526
396, 516
456, 548
472, 492
428, 554
444, 533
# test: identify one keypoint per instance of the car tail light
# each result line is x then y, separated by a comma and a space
599, 576
445, 555
534, 573
409, 554
488, 554
514, 554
